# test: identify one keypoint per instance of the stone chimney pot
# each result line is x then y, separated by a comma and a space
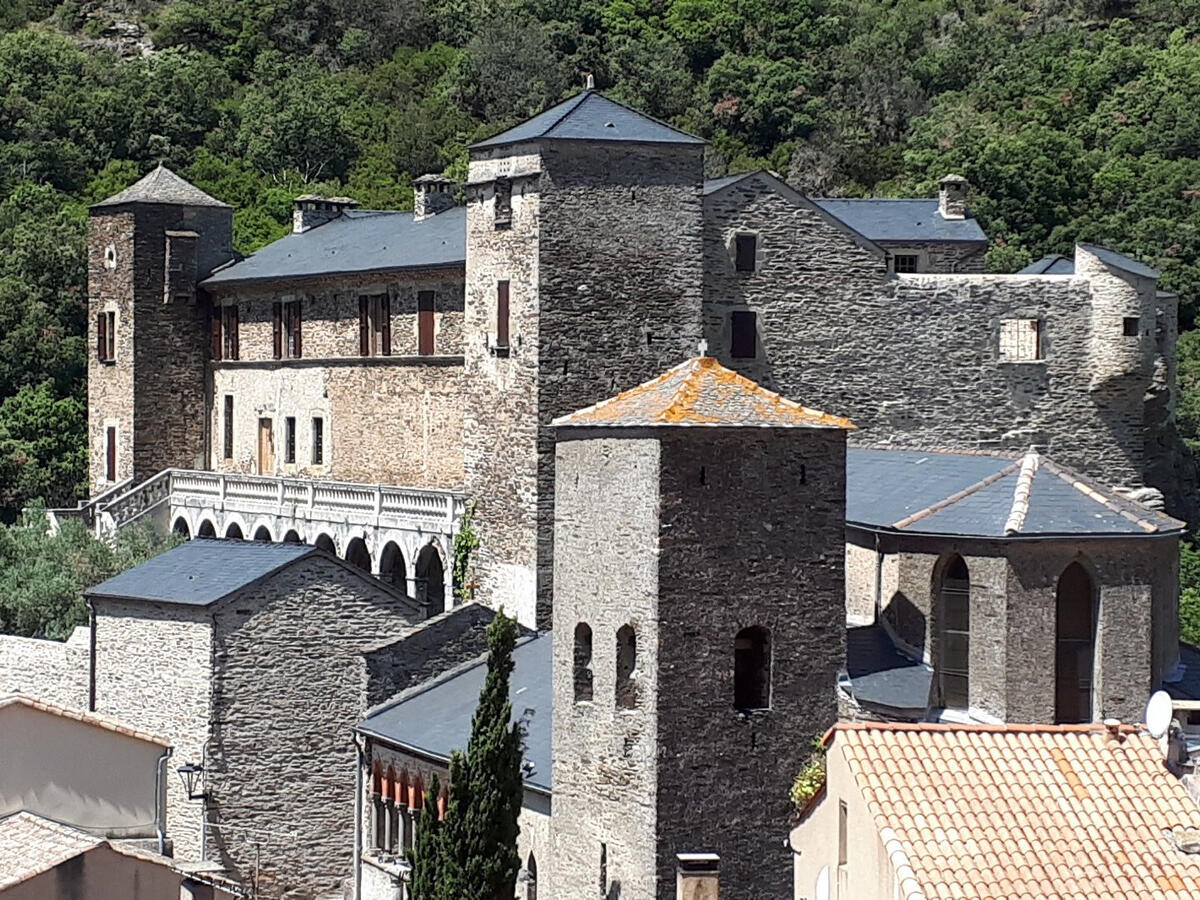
952, 197
311, 210
432, 194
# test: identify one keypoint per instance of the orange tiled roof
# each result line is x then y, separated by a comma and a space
701, 391
88, 718
1010, 812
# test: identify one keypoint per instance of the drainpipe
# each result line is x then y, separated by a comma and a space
160, 801
878, 577
358, 814
91, 655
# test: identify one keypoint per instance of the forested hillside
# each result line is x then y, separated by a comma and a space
1074, 119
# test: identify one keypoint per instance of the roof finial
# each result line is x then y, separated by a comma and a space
589, 82
703, 348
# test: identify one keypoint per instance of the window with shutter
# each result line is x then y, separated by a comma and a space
229, 326
502, 315
318, 441
295, 331
111, 336
228, 423
277, 329
289, 439
385, 325
425, 323
364, 326
216, 333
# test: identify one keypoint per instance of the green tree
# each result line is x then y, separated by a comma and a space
426, 856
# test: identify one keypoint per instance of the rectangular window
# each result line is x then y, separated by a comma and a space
229, 331
292, 347
425, 323
906, 263
843, 834
110, 453
375, 325
289, 439
743, 340
1130, 326
228, 424
745, 249
318, 442
1020, 340
106, 336
502, 315
503, 203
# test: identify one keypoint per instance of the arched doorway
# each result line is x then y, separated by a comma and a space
954, 635
358, 555
181, 528
207, 529
325, 542
391, 567
263, 533
1074, 645
430, 580
234, 532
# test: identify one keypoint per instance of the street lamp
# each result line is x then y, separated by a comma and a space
191, 776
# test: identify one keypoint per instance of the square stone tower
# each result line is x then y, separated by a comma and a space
148, 247
698, 629
583, 277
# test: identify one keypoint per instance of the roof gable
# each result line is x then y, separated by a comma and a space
590, 116
162, 186
96, 720
702, 392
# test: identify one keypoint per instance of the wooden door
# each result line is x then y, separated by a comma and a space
266, 447
425, 323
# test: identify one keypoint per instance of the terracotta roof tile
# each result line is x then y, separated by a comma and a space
701, 391
89, 718
1014, 811
30, 845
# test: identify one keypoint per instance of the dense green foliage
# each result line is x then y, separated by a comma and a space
426, 854
474, 852
43, 577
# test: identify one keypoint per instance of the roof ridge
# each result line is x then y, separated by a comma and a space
1024, 487
638, 112
100, 720
579, 99
985, 727
955, 497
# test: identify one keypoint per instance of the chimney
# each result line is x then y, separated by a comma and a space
698, 876
952, 197
309, 211
432, 194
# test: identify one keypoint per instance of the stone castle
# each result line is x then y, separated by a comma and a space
722, 571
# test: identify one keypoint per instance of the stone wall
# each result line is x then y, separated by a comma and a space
288, 688
949, 258
54, 671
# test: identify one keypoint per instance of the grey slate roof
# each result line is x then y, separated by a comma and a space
882, 676
590, 116
1054, 264
924, 492
1057, 264
884, 219
200, 572
435, 718
712, 185
162, 186
357, 241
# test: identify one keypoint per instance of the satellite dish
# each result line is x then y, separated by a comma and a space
1159, 711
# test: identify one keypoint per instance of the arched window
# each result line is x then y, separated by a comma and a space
626, 693
233, 532
358, 555
954, 665
531, 878
391, 567
181, 528
207, 529
583, 662
430, 580
1074, 645
263, 533
752, 668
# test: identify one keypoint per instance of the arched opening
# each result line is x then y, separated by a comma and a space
358, 555
954, 638
752, 668
626, 693
325, 542
391, 567
583, 662
531, 878
292, 537
207, 529
234, 532
1074, 645
262, 533
430, 580
181, 528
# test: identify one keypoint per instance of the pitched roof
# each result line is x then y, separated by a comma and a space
435, 719
590, 116
87, 718
882, 676
975, 495
162, 186
357, 241
1054, 264
31, 845
893, 220
701, 391
200, 572
1057, 264
1023, 811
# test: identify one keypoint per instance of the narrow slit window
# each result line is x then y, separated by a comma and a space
318, 441
843, 834
503, 203
1020, 340
106, 336
110, 453
626, 691
743, 339
745, 251
501, 314
583, 662
228, 424
752, 668
425, 323
289, 439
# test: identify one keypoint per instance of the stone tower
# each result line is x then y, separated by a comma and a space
148, 247
583, 277
698, 629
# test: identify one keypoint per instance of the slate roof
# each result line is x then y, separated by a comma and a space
1054, 264
162, 186
882, 676
31, 845
700, 391
200, 572
590, 116
357, 241
891, 220
1022, 811
712, 185
435, 718
1025, 495
87, 718
1057, 264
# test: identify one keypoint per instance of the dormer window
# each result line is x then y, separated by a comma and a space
906, 263
503, 203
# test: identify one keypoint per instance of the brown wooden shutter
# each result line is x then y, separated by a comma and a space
502, 314
425, 323
110, 454
364, 326
216, 332
102, 336
234, 352
385, 325
296, 331
277, 329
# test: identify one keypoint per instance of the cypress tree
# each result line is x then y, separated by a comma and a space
426, 856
